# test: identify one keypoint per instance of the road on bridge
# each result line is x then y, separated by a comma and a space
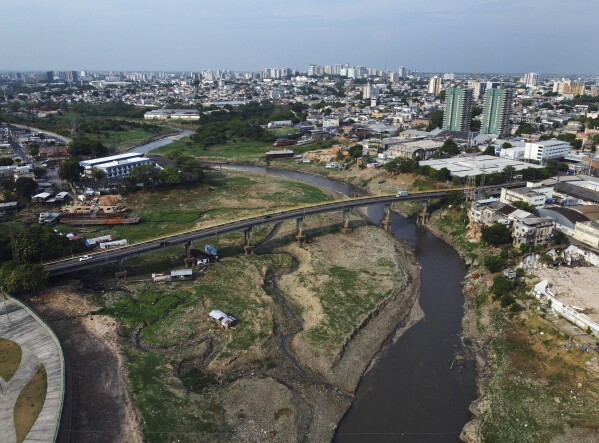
72, 264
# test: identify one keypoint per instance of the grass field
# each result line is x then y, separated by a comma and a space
534, 388
168, 413
30, 402
117, 140
173, 392
10, 358
120, 140
242, 150
171, 316
226, 196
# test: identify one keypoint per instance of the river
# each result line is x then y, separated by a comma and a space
416, 391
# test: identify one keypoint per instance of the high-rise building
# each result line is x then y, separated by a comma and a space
458, 109
367, 91
478, 88
449, 76
496, 111
434, 85
312, 70
567, 86
403, 72
531, 79
49, 76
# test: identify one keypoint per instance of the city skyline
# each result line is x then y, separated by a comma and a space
469, 36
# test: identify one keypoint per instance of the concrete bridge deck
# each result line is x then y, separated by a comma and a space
73, 264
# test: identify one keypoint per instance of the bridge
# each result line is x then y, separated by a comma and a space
117, 255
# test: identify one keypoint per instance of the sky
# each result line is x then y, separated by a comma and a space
511, 36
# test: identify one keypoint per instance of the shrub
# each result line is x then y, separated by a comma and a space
494, 263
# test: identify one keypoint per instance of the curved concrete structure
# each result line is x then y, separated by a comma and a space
39, 345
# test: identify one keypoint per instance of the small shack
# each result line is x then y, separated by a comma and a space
202, 258
182, 274
225, 320
283, 153
156, 278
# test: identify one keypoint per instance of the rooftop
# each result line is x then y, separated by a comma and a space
578, 192
482, 164
96, 161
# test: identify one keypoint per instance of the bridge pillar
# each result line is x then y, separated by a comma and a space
122, 272
346, 214
189, 262
386, 222
188, 249
423, 215
247, 238
299, 224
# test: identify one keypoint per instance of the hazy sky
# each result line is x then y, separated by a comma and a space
553, 36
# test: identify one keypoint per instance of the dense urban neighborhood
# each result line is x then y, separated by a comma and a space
208, 246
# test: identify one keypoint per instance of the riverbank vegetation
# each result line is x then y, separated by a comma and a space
537, 385
183, 368
116, 125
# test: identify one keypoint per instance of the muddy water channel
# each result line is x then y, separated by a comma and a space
420, 388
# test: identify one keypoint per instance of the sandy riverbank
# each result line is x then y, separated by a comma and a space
99, 406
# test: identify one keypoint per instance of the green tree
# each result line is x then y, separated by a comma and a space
450, 147
455, 198
19, 278
502, 289
489, 150
559, 238
34, 149
36, 243
525, 206
70, 170
6, 161
508, 172
494, 263
436, 120
506, 145
98, 174
524, 128
25, 187
355, 151
39, 172
146, 175
172, 176
496, 234
82, 146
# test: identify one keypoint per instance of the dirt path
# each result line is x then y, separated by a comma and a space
98, 406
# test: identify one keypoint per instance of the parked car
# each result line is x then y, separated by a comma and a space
401, 193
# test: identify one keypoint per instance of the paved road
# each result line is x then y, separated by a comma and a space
67, 265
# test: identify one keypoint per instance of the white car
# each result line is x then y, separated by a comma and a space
401, 193
85, 257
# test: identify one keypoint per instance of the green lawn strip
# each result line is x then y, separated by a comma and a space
10, 358
30, 402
